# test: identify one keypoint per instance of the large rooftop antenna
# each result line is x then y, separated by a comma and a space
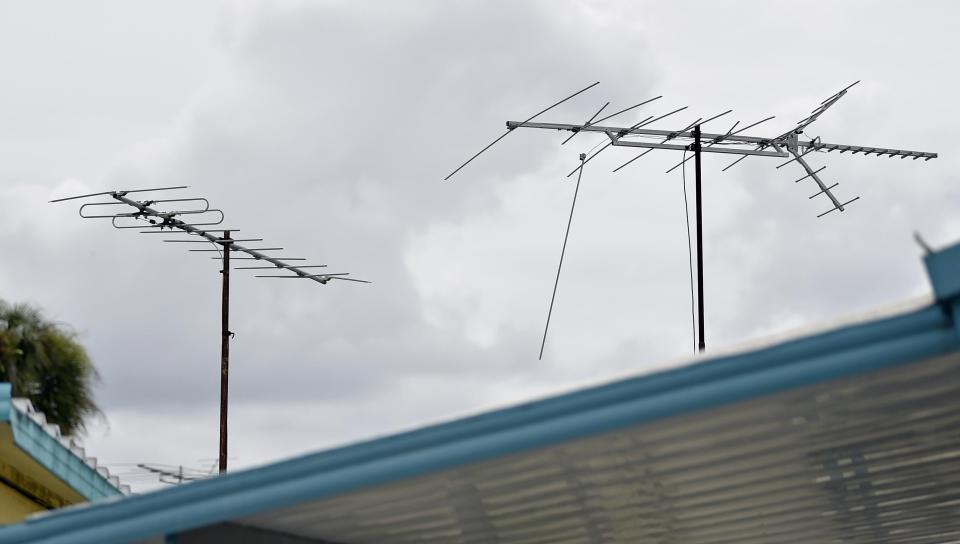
200, 224
792, 144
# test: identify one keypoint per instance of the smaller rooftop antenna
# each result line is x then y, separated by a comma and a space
164, 216
690, 137
176, 474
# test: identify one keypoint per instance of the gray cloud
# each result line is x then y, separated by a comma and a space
327, 129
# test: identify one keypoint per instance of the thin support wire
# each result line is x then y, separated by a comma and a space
573, 205
217, 246
686, 216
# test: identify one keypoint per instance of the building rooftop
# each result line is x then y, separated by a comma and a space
845, 435
41, 467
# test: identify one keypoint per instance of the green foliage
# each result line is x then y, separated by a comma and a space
46, 364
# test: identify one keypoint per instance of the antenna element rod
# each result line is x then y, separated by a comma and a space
510, 129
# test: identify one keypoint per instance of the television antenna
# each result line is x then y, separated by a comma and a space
793, 144
195, 218
175, 474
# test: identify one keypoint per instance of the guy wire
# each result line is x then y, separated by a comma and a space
556, 282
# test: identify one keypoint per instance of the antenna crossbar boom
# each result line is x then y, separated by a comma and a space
879, 151
623, 131
146, 211
679, 147
619, 133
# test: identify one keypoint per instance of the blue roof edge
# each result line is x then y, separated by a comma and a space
65, 461
943, 269
845, 352
848, 351
6, 394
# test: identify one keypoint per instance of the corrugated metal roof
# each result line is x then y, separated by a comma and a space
851, 435
871, 459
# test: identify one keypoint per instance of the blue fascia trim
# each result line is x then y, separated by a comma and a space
5, 405
943, 268
58, 459
846, 352
47, 450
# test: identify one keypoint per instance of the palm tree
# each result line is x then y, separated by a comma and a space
44, 363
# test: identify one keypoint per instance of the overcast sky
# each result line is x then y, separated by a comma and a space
327, 128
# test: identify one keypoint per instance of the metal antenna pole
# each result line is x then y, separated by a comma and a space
224, 349
696, 153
